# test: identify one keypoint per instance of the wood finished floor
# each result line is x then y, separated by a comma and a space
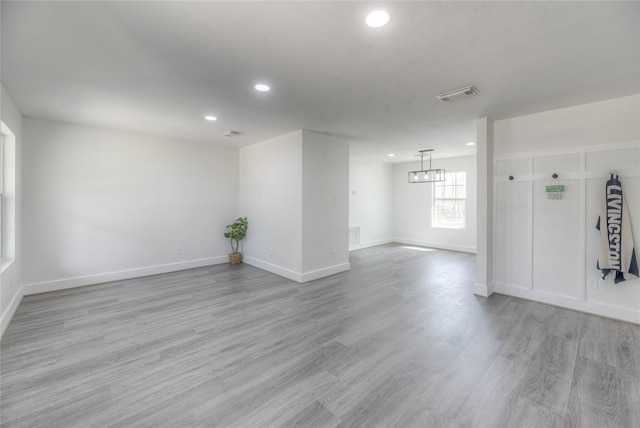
399, 341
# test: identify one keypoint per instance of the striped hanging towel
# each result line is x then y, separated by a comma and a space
617, 252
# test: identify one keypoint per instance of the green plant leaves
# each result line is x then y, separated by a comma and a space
236, 231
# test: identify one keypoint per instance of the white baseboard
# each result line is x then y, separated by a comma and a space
81, 281
440, 245
270, 267
8, 314
371, 243
321, 273
483, 290
600, 309
293, 275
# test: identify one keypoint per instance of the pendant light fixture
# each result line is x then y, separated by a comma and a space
426, 175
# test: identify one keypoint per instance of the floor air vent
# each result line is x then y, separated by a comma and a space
354, 235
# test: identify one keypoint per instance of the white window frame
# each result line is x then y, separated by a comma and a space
453, 190
8, 199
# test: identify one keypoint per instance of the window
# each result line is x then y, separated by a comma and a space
449, 201
7, 196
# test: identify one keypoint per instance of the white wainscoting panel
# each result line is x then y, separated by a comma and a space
613, 159
558, 163
556, 240
515, 167
546, 249
513, 217
625, 294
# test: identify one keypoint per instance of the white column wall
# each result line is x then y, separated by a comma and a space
325, 205
371, 189
485, 214
293, 189
271, 199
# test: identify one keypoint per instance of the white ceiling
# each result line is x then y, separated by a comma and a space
159, 67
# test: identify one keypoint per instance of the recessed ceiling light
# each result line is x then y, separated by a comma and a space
377, 19
471, 143
212, 118
262, 87
391, 155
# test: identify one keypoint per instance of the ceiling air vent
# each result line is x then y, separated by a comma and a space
231, 133
465, 92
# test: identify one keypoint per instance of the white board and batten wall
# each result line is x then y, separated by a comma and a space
546, 249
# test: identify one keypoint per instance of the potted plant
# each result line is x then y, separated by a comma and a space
236, 232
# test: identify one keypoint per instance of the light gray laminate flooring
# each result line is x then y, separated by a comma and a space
398, 341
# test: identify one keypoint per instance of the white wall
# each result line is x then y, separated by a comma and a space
371, 201
603, 122
325, 204
10, 272
101, 204
293, 189
546, 250
485, 243
413, 207
271, 199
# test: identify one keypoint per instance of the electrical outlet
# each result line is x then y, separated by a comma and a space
593, 283
177, 251
333, 253
270, 251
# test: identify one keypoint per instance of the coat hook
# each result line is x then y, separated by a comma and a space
511, 177
555, 175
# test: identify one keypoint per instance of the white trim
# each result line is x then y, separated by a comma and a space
8, 314
530, 226
4, 265
629, 144
270, 267
483, 290
439, 245
4, 129
593, 308
575, 175
81, 281
582, 225
371, 244
293, 275
321, 273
